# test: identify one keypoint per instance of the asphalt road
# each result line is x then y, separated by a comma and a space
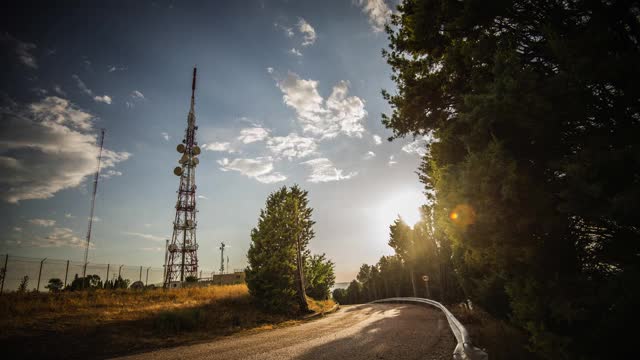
376, 331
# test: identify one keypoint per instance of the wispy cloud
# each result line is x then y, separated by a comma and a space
323, 170
295, 52
113, 68
103, 99
61, 237
391, 161
145, 236
260, 168
291, 146
308, 32
23, 51
377, 139
253, 134
47, 146
378, 12
106, 99
369, 155
419, 146
165, 135
338, 114
43, 222
217, 146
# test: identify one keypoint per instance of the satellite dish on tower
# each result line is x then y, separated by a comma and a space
196, 150
180, 148
178, 171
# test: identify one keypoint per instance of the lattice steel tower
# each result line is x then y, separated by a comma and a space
183, 249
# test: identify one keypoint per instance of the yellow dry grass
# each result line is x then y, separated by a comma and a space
128, 320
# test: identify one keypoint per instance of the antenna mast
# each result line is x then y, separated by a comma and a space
183, 258
93, 205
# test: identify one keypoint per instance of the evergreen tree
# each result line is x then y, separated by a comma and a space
319, 277
535, 174
279, 250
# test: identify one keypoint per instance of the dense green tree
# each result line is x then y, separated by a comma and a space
319, 277
535, 174
85, 283
279, 250
340, 296
24, 284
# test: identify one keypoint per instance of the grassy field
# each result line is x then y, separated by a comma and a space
100, 323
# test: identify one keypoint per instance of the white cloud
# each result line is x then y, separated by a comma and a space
322, 170
377, 139
217, 146
103, 99
378, 12
338, 114
249, 135
391, 161
369, 155
69, 216
295, 52
156, 249
43, 222
112, 68
165, 135
61, 237
259, 168
59, 90
46, 147
109, 173
203, 197
81, 85
270, 70
17, 228
287, 30
308, 32
145, 236
291, 146
419, 146
22, 50
137, 95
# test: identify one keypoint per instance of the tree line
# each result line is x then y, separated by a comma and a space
533, 174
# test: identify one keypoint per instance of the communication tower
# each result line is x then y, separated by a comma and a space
183, 249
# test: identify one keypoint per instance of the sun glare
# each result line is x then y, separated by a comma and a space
406, 204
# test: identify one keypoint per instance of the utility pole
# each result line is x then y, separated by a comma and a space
222, 246
4, 272
66, 274
146, 281
40, 273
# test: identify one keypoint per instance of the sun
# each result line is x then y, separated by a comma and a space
404, 203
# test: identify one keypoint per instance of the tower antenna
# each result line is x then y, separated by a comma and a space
183, 258
93, 205
222, 246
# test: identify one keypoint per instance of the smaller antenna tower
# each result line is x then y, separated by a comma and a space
93, 205
222, 246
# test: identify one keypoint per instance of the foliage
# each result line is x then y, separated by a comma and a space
319, 277
272, 274
24, 285
534, 176
86, 283
55, 285
191, 279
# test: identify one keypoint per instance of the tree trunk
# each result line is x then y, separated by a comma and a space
302, 296
413, 283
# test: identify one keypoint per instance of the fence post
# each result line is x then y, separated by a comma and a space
140, 278
40, 273
4, 272
119, 269
146, 282
107, 278
66, 273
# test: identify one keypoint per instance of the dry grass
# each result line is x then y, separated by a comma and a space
99, 323
500, 339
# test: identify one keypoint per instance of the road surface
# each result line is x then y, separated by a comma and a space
371, 331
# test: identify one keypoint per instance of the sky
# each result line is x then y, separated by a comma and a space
288, 92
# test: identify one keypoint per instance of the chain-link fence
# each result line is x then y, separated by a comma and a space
38, 272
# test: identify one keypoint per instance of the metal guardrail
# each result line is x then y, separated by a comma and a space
464, 349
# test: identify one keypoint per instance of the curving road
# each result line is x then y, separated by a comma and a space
371, 331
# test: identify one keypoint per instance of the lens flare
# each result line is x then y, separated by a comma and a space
463, 215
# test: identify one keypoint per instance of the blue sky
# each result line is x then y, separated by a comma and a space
288, 92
